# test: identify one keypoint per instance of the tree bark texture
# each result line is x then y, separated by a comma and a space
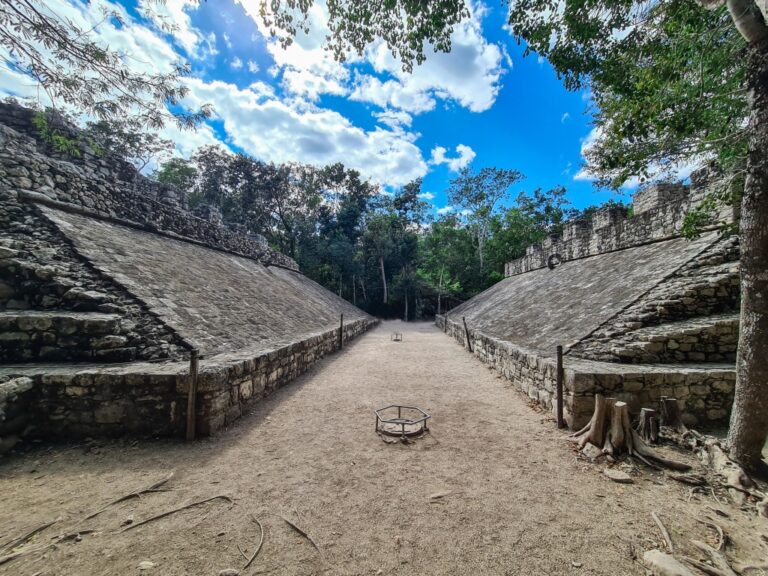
749, 416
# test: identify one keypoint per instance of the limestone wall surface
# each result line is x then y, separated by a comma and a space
56, 306
217, 301
704, 391
150, 398
107, 284
658, 212
545, 308
109, 186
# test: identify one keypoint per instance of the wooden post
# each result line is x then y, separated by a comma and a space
559, 378
194, 366
341, 332
466, 330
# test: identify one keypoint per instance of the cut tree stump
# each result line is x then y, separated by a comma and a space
648, 428
609, 428
670, 415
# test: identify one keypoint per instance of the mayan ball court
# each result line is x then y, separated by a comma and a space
363, 289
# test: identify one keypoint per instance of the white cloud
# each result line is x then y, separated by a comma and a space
564, 117
172, 16
469, 75
464, 158
253, 67
298, 131
236, 63
427, 196
395, 119
310, 84
445, 210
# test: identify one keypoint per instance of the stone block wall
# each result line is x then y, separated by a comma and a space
16, 407
658, 214
150, 398
705, 393
226, 388
110, 187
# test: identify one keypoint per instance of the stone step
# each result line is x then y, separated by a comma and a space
37, 335
705, 339
59, 321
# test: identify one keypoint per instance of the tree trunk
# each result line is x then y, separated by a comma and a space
749, 425
440, 289
383, 280
406, 305
670, 415
480, 247
648, 428
354, 291
362, 287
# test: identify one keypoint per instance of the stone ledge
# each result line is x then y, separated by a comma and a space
150, 398
704, 391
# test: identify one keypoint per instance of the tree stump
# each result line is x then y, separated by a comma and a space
670, 415
610, 430
648, 427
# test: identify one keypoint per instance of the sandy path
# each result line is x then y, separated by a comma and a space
519, 501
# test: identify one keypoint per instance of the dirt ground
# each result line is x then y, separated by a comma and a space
494, 488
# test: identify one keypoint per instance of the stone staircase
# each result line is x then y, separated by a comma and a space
56, 307
695, 340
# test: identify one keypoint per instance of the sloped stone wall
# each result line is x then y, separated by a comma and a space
703, 290
55, 306
704, 392
107, 283
109, 187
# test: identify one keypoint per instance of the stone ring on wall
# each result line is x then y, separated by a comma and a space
554, 260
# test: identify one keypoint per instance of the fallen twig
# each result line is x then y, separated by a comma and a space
23, 539
300, 531
720, 533
59, 540
179, 509
719, 567
664, 532
242, 553
261, 541
692, 479
137, 494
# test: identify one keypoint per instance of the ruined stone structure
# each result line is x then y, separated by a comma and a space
107, 285
640, 311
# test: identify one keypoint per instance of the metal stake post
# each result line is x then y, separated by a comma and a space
194, 367
559, 376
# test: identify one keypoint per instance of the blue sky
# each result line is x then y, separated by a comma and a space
483, 103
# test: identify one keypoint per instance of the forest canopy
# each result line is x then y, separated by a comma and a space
382, 250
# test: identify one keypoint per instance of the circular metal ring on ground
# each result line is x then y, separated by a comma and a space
403, 421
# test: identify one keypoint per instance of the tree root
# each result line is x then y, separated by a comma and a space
302, 532
720, 566
610, 430
23, 539
663, 530
179, 509
59, 540
155, 487
258, 548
